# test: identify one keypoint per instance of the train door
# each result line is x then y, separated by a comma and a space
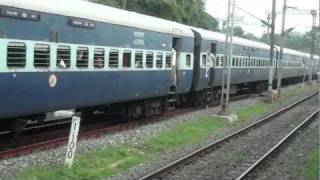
176, 50
212, 60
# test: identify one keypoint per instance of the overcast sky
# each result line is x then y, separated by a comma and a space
302, 22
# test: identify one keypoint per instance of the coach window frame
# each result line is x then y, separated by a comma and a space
126, 54
114, 58
24, 62
82, 58
159, 55
99, 53
39, 56
63, 48
149, 55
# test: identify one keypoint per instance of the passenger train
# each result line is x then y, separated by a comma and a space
57, 55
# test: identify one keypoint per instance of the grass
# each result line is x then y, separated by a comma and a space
311, 169
285, 95
107, 162
103, 163
247, 113
237, 156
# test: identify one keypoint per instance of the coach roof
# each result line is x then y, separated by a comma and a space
101, 13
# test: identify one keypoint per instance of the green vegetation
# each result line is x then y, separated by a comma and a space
190, 12
237, 156
107, 162
102, 163
247, 113
295, 40
311, 169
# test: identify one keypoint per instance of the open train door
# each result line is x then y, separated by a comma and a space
176, 51
212, 62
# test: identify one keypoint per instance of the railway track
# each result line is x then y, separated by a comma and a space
48, 139
195, 163
277, 148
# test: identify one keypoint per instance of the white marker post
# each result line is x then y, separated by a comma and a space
73, 137
72, 144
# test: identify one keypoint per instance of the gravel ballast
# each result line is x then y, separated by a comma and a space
55, 157
288, 164
232, 158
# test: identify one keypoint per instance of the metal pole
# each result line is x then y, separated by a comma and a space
227, 59
313, 34
273, 18
230, 55
280, 60
124, 4
268, 28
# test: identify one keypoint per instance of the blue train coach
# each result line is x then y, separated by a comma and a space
59, 54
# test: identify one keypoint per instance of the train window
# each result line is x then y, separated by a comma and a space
98, 59
82, 57
114, 58
168, 60
188, 61
41, 55
159, 61
139, 59
16, 55
63, 56
149, 60
233, 61
218, 61
223, 61
126, 59
204, 60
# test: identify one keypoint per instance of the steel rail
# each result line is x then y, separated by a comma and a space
176, 163
277, 146
98, 131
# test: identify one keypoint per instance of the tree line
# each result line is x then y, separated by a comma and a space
192, 12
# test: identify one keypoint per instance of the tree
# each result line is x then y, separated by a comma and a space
251, 36
294, 40
238, 31
190, 12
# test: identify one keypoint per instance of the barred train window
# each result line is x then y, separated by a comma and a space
126, 59
204, 60
188, 60
159, 60
98, 58
168, 60
63, 56
218, 61
139, 59
149, 60
41, 55
252, 62
223, 62
82, 57
114, 58
16, 55
233, 61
